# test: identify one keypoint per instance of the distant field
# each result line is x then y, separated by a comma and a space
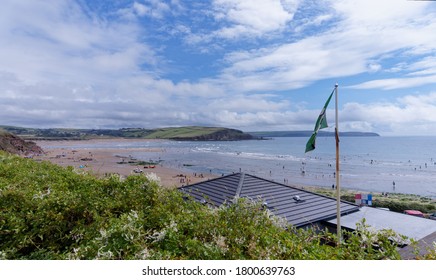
182, 132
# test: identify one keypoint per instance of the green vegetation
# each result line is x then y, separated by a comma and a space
197, 133
183, 132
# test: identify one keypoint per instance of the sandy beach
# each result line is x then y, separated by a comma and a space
104, 161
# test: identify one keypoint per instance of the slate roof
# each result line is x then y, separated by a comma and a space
280, 199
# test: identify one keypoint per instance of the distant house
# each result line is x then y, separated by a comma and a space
299, 207
302, 208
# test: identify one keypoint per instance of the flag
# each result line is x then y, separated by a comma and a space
321, 123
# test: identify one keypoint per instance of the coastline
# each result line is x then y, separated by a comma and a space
104, 161
101, 161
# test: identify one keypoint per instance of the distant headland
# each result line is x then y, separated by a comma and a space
307, 133
186, 133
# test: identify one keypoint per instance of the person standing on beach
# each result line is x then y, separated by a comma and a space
393, 185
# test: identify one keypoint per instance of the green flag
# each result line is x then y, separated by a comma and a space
321, 123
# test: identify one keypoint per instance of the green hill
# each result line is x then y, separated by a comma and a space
198, 133
192, 133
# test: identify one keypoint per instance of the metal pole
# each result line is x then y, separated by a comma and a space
338, 187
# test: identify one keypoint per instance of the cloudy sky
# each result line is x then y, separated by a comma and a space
246, 64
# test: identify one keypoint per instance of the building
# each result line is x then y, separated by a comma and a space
299, 207
302, 208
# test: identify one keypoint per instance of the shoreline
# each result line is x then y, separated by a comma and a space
109, 160
104, 161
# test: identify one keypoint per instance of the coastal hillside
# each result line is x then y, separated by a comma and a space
16, 145
198, 133
191, 133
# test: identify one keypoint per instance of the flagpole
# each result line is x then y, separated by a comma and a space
338, 187
321, 123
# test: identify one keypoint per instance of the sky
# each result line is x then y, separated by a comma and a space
254, 65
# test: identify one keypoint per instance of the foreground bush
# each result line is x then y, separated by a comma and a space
49, 212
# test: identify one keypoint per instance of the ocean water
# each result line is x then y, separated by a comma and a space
369, 164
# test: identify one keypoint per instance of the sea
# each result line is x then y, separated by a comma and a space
367, 164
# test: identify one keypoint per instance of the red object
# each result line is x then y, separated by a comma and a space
414, 213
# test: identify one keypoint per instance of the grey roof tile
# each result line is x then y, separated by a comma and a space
311, 207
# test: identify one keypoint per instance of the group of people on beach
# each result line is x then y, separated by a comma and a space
184, 179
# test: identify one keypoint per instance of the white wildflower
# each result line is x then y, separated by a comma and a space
41, 195
158, 235
173, 226
133, 215
220, 241
103, 234
104, 254
128, 236
240, 240
143, 255
152, 177
77, 237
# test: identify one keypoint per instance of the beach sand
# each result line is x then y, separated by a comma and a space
104, 161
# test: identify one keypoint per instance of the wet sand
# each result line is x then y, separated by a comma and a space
104, 161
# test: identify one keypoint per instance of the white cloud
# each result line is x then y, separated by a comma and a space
246, 103
373, 13
367, 33
140, 9
423, 67
252, 18
239, 20
374, 67
293, 65
66, 45
396, 83
409, 115
153, 8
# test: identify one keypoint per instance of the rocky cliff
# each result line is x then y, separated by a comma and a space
16, 145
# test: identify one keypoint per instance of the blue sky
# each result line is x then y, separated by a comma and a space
251, 65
